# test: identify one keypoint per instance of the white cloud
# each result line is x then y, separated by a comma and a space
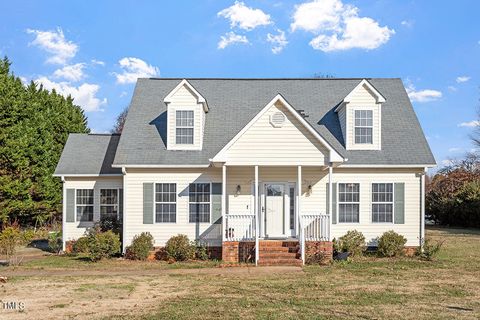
471, 124
407, 23
338, 26
452, 88
61, 50
462, 79
134, 68
84, 95
231, 38
72, 72
123, 94
98, 62
425, 95
245, 17
454, 149
278, 41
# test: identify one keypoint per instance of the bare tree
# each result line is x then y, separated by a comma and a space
120, 121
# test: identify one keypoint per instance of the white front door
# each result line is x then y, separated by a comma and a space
274, 210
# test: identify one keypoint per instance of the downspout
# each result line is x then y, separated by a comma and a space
124, 225
64, 216
422, 208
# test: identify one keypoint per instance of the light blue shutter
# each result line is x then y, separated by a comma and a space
399, 196
216, 202
148, 203
70, 205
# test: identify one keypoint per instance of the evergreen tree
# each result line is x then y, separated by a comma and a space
34, 126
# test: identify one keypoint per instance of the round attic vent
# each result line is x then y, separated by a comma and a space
277, 119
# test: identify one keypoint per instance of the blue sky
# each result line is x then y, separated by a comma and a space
95, 50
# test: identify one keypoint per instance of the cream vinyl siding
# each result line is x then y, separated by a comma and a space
74, 230
365, 177
161, 232
184, 99
361, 99
289, 144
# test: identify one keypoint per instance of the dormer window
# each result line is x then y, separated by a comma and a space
184, 127
364, 126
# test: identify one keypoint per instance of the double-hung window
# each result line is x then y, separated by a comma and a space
382, 202
109, 202
84, 204
199, 201
184, 127
165, 202
348, 202
364, 126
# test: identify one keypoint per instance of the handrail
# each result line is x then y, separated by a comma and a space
239, 227
313, 227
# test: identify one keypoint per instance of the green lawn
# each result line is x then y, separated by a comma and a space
368, 288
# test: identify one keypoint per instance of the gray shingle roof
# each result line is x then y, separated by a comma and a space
88, 154
234, 102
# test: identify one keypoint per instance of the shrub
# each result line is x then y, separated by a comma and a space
27, 236
55, 241
10, 238
81, 246
140, 247
317, 257
353, 241
110, 222
391, 244
201, 252
180, 248
430, 250
102, 244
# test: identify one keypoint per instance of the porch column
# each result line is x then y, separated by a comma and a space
330, 205
257, 222
224, 202
64, 215
299, 214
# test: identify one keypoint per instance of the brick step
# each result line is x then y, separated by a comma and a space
279, 242
276, 255
274, 249
279, 262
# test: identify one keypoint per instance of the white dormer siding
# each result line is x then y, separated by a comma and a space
185, 100
364, 101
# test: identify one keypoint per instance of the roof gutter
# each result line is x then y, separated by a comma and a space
161, 166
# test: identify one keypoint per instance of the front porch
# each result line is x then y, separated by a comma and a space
286, 213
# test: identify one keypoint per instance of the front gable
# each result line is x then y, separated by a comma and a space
278, 135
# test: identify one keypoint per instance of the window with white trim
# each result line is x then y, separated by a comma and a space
199, 201
165, 202
84, 204
364, 126
348, 202
382, 202
109, 203
184, 127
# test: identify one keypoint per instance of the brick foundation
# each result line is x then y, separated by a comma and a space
410, 251
324, 248
236, 252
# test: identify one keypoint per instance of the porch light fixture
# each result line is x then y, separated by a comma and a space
309, 189
239, 189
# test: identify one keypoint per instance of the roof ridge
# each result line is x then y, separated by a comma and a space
355, 78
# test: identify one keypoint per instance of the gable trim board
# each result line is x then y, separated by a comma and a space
334, 156
184, 82
379, 97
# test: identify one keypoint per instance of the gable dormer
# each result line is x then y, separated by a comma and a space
360, 117
186, 109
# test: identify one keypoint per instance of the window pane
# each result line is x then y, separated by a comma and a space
382, 202
165, 202
348, 198
84, 213
199, 197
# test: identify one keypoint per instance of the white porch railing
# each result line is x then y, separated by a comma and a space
313, 227
239, 227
